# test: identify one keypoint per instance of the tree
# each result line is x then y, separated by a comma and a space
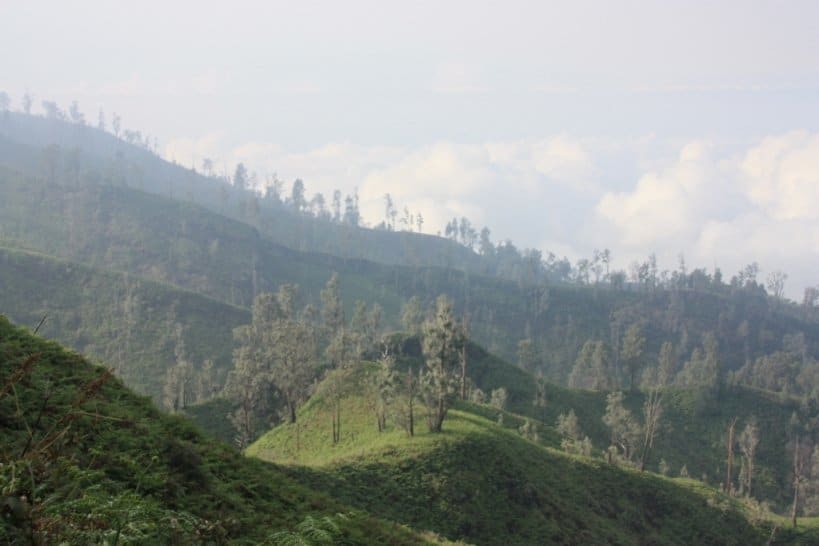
297, 199
485, 246
703, 368
358, 329
573, 440
441, 346
634, 344
405, 415
529, 430
318, 206
498, 397
776, 284
625, 431
240, 177
250, 383
178, 387
748, 442
592, 369
712, 377
352, 216
206, 382
382, 387
334, 394
463, 332
101, 120
52, 111
667, 364
412, 315
652, 413
799, 473
28, 100
389, 212
728, 487
5, 101
75, 114
528, 355
295, 350
116, 123
337, 206
207, 166
332, 308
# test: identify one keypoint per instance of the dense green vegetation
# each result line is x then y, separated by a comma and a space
484, 483
158, 272
693, 426
98, 200
85, 461
130, 324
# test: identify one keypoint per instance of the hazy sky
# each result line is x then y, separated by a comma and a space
675, 127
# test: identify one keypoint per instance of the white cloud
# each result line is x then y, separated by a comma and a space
667, 206
758, 205
782, 176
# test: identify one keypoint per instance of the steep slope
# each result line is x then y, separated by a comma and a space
84, 460
133, 325
486, 484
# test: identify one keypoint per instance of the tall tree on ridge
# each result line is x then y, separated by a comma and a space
441, 346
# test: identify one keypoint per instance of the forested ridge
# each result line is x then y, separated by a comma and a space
371, 351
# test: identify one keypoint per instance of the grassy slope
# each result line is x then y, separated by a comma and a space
486, 484
112, 460
694, 424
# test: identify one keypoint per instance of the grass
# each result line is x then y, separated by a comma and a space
485, 484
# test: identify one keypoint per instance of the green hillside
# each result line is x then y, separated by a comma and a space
66, 153
486, 484
693, 427
85, 461
170, 241
131, 324
98, 200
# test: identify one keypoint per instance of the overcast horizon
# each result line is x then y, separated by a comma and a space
669, 127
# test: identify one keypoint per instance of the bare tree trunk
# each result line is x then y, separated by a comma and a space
796, 472
652, 410
336, 422
729, 474
463, 372
463, 356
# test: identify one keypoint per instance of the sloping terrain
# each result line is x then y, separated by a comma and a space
486, 484
83, 195
131, 324
83, 460
694, 423
66, 153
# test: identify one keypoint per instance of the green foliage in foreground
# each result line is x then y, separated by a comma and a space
85, 461
486, 484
